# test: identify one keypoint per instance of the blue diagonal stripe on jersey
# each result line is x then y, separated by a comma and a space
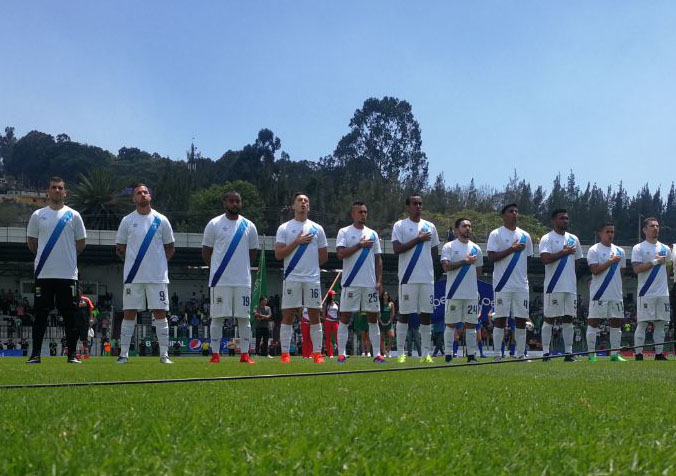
460, 276
236, 238
53, 238
300, 251
559, 268
414, 258
358, 264
510, 267
653, 274
143, 249
609, 277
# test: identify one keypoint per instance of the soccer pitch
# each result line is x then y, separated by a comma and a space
518, 418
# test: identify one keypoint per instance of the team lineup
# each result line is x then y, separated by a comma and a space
145, 242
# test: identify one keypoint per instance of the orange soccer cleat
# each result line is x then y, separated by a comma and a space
318, 358
245, 359
215, 359
286, 358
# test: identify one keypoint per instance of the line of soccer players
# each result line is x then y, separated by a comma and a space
145, 241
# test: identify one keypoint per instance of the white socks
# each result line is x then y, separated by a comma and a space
374, 337
244, 325
162, 329
285, 333
615, 339
520, 337
126, 333
449, 335
546, 337
343, 333
316, 337
470, 338
568, 333
216, 330
591, 338
658, 336
498, 337
402, 330
639, 336
426, 339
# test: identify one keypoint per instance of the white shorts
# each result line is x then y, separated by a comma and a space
560, 304
653, 308
137, 295
354, 299
462, 310
511, 303
229, 301
606, 310
417, 297
295, 295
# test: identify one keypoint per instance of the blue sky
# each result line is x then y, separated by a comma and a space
541, 86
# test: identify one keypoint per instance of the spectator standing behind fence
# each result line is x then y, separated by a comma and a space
263, 315
330, 313
55, 235
385, 323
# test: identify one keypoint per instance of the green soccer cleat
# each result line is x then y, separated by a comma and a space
593, 358
427, 360
401, 359
617, 358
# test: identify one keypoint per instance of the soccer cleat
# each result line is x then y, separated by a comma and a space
318, 358
427, 360
35, 359
166, 360
215, 359
570, 358
448, 359
638, 357
472, 360
401, 359
379, 359
122, 360
270, 357
246, 359
455, 355
286, 358
74, 360
592, 358
498, 358
524, 358
342, 359
617, 358
661, 356
545, 357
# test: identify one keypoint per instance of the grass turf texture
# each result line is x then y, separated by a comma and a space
518, 418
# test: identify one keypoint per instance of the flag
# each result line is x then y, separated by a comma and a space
260, 288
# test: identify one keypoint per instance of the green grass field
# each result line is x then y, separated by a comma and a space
517, 418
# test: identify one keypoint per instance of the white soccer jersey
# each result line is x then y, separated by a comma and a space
499, 240
132, 232
599, 254
643, 253
306, 270
365, 276
453, 252
421, 271
61, 263
219, 234
553, 242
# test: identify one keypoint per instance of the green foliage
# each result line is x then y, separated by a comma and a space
208, 203
99, 199
15, 214
512, 418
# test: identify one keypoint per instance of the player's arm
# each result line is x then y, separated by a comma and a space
499, 255
253, 253
80, 245
379, 274
207, 252
32, 244
282, 250
121, 250
404, 247
598, 268
479, 271
323, 255
169, 250
643, 267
